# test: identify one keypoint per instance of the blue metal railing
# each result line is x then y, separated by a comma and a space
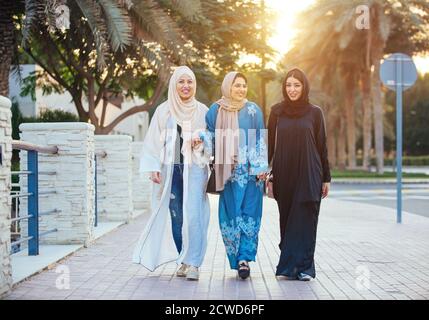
32, 194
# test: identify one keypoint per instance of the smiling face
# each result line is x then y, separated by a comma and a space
185, 87
239, 89
294, 88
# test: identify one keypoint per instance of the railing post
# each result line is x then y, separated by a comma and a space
33, 204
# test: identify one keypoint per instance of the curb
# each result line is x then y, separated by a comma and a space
378, 181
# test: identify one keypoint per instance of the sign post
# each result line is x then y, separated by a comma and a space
398, 72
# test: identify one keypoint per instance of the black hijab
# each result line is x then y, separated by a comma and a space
298, 108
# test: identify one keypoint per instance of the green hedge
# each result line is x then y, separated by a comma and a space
406, 161
365, 174
45, 116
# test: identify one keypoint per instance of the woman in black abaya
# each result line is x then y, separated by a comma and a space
300, 173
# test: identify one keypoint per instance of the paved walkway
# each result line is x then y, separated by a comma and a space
361, 254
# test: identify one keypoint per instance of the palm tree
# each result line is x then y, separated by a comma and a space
92, 56
329, 35
106, 19
7, 44
345, 44
350, 79
321, 60
105, 31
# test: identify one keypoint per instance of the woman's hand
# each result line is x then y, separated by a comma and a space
155, 176
325, 189
196, 142
262, 176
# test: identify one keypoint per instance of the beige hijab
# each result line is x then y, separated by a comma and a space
182, 111
188, 114
227, 132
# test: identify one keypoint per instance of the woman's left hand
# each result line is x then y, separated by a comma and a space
196, 142
325, 189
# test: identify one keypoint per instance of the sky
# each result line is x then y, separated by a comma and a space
287, 10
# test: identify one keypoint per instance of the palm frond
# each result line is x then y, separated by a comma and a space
34, 13
118, 25
189, 9
344, 19
51, 13
157, 60
127, 4
384, 25
93, 14
159, 26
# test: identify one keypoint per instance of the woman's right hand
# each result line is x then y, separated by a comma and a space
155, 176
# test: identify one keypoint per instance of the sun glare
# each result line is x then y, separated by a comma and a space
283, 33
284, 30
422, 64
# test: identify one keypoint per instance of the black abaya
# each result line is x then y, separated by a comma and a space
300, 166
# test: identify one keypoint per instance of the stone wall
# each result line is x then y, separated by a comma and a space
5, 200
141, 188
114, 178
73, 181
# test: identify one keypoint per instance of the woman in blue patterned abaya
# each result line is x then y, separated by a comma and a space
175, 157
241, 162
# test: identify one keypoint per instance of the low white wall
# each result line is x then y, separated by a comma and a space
5, 200
114, 178
141, 188
73, 180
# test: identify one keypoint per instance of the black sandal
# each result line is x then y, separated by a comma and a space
243, 270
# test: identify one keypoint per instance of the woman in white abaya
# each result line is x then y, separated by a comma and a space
174, 155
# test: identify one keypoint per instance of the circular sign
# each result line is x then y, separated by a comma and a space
398, 71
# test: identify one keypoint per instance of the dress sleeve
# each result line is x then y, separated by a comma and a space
322, 145
272, 128
153, 145
258, 156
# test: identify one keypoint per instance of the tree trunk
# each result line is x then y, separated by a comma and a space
91, 94
6, 45
378, 46
367, 116
148, 105
4, 77
351, 124
341, 143
263, 99
378, 117
331, 141
77, 99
